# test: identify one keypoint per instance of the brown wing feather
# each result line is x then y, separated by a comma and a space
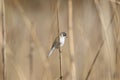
56, 43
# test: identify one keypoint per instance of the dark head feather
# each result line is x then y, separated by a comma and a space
63, 33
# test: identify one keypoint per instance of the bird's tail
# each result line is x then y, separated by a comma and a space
51, 51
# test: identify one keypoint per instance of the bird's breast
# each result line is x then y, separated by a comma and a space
62, 41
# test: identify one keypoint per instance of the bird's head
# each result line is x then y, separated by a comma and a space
63, 34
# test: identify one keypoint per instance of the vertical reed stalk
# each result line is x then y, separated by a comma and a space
3, 40
58, 25
71, 38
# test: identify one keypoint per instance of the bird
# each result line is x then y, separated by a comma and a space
58, 42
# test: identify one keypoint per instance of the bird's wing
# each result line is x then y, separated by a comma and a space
56, 43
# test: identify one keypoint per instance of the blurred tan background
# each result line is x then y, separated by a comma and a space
28, 28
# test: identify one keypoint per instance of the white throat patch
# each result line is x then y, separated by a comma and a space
62, 40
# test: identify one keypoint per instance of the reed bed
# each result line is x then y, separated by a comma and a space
28, 28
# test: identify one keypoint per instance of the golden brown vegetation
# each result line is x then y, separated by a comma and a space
28, 28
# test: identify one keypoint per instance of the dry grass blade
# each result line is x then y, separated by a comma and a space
98, 53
